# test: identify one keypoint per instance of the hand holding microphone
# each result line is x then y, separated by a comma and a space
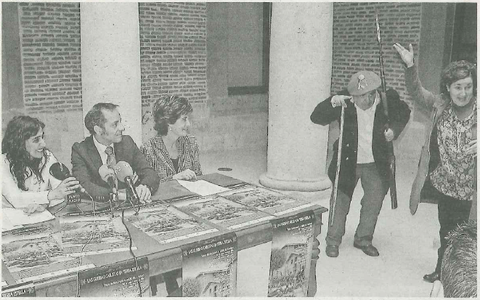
69, 184
125, 174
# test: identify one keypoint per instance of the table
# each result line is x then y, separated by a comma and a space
168, 258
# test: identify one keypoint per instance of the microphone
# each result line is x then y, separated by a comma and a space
124, 174
61, 172
108, 175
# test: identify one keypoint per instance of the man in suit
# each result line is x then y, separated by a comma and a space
363, 155
107, 145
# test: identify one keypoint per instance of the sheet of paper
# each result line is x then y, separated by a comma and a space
202, 187
17, 217
7, 225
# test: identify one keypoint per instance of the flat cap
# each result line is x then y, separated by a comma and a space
363, 82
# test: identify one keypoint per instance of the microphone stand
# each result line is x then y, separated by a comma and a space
113, 198
129, 199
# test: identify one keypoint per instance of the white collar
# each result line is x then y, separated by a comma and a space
101, 147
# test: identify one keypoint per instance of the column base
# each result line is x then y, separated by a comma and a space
321, 184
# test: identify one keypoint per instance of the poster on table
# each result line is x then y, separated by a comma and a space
223, 212
167, 225
210, 267
265, 200
34, 253
88, 235
291, 255
26, 289
129, 278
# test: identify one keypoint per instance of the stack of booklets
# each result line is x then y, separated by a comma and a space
38, 247
33, 251
224, 213
89, 235
268, 201
169, 226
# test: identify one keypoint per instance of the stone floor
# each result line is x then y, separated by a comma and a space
407, 244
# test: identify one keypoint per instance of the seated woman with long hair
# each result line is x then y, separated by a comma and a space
26, 181
173, 153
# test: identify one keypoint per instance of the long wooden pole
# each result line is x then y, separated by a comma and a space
333, 200
383, 95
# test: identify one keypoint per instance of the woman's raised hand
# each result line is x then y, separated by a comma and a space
185, 175
65, 188
406, 55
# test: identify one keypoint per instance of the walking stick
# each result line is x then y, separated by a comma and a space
383, 95
333, 200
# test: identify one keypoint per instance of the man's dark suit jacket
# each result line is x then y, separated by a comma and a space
324, 114
86, 161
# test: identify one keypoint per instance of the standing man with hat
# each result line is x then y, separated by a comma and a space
363, 154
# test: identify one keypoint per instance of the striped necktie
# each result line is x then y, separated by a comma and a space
111, 161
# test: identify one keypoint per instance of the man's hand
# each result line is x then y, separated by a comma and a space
144, 194
185, 175
389, 135
338, 100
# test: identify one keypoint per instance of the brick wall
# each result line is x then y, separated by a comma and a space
50, 42
173, 50
355, 45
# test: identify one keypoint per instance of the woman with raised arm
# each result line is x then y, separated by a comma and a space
447, 162
26, 181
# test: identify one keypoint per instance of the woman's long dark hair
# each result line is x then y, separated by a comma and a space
19, 130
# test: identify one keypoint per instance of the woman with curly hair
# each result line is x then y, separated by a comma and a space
447, 167
173, 153
26, 182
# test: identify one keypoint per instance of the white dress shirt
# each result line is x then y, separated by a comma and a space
365, 119
101, 150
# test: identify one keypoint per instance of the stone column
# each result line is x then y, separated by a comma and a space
300, 78
111, 60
